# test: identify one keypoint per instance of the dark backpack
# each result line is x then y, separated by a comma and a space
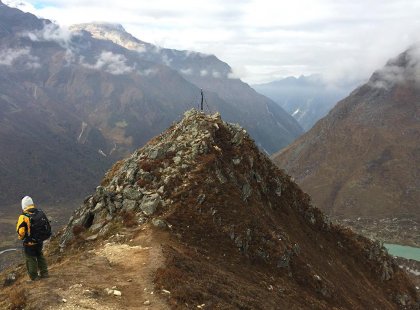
40, 229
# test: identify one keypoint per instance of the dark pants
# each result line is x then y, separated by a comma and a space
35, 261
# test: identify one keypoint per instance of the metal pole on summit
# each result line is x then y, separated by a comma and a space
202, 100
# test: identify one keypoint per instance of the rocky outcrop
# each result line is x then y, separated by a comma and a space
223, 204
140, 184
144, 183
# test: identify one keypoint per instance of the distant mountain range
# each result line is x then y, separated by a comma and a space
363, 158
236, 101
307, 98
71, 103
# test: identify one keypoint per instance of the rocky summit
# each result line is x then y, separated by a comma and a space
199, 218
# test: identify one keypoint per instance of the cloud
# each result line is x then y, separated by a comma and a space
212, 73
53, 33
112, 63
10, 56
404, 68
342, 40
21, 5
189, 53
388, 76
237, 73
58, 34
32, 62
110, 31
148, 72
204, 72
187, 71
166, 60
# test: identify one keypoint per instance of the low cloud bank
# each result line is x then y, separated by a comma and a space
402, 69
116, 64
8, 56
112, 63
60, 35
11, 56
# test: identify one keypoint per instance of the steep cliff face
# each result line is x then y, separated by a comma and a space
216, 224
363, 159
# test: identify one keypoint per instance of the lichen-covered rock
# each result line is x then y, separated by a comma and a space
92, 237
220, 176
150, 203
130, 205
159, 223
105, 229
96, 226
284, 260
132, 193
246, 191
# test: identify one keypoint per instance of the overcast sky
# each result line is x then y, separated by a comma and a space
262, 40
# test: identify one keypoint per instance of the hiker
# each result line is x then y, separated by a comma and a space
33, 228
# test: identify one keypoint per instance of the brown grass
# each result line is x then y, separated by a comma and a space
142, 183
78, 229
147, 166
247, 277
17, 299
128, 218
111, 173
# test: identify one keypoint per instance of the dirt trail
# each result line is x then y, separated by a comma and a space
88, 280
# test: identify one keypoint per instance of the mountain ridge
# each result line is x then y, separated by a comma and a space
218, 225
362, 159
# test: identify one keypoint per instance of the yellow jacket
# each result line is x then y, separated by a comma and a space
23, 227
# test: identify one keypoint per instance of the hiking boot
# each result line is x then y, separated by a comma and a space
32, 280
44, 276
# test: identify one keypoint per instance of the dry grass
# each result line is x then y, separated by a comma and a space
247, 276
17, 299
78, 230
147, 165
111, 173
142, 183
129, 218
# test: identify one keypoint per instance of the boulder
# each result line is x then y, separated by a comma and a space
159, 223
150, 203
133, 194
130, 205
246, 191
10, 279
92, 238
